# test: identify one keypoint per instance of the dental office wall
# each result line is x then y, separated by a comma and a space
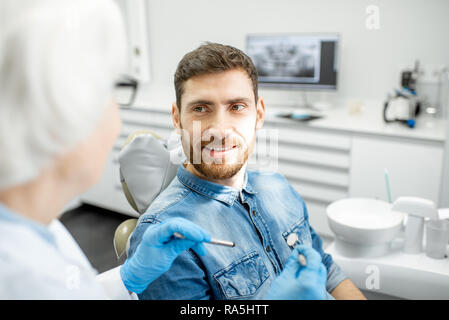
375, 46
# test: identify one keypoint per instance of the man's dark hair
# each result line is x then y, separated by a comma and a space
212, 58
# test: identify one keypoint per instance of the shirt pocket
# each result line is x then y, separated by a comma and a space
243, 277
302, 231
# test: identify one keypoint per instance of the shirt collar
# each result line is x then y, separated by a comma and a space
8, 215
210, 189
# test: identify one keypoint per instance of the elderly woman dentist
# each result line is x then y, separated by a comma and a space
59, 60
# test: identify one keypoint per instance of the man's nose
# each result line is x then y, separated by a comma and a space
218, 128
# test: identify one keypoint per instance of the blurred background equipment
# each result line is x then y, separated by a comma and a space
405, 105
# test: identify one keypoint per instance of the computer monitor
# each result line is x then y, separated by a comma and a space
303, 61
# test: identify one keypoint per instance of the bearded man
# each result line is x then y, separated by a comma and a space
218, 113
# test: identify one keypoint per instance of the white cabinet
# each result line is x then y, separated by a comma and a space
414, 167
316, 163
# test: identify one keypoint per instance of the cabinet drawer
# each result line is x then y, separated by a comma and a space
313, 156
318, 193
314, 138
319, 175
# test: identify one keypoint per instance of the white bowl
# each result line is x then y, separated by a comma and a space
363, 226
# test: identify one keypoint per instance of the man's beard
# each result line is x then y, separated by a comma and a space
221, 170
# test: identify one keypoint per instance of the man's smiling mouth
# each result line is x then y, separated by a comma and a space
219, 151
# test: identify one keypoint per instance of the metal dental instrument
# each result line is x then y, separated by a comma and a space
292, 240
212, 241
302, 260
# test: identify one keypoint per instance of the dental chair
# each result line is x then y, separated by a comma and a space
148, 164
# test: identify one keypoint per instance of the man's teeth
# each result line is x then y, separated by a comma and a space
219, 149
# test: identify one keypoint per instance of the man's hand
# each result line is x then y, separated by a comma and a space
297, 282
158, 249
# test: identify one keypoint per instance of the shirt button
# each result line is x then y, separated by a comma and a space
268, 248
292, 239
254, 212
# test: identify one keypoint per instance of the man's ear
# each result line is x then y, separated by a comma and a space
176, 116
260, 108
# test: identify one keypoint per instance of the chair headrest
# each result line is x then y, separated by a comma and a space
147, 166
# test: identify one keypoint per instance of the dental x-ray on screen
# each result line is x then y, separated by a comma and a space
296, 60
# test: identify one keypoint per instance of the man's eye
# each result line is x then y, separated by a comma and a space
199, 109
238, 107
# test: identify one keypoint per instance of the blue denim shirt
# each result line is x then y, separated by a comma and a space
259, 218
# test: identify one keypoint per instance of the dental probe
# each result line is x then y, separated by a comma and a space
302, 260
212, 241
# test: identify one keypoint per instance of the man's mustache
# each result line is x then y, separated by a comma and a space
212, 143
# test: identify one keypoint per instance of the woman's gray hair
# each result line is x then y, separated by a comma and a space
58, 63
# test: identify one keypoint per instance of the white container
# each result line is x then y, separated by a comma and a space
363, 227
437, 238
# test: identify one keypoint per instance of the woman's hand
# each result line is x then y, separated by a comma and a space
158, 249
297, 282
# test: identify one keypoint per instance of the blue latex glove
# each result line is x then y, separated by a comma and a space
301, 283
158, 249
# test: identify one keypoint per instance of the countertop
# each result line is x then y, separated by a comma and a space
366, 120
